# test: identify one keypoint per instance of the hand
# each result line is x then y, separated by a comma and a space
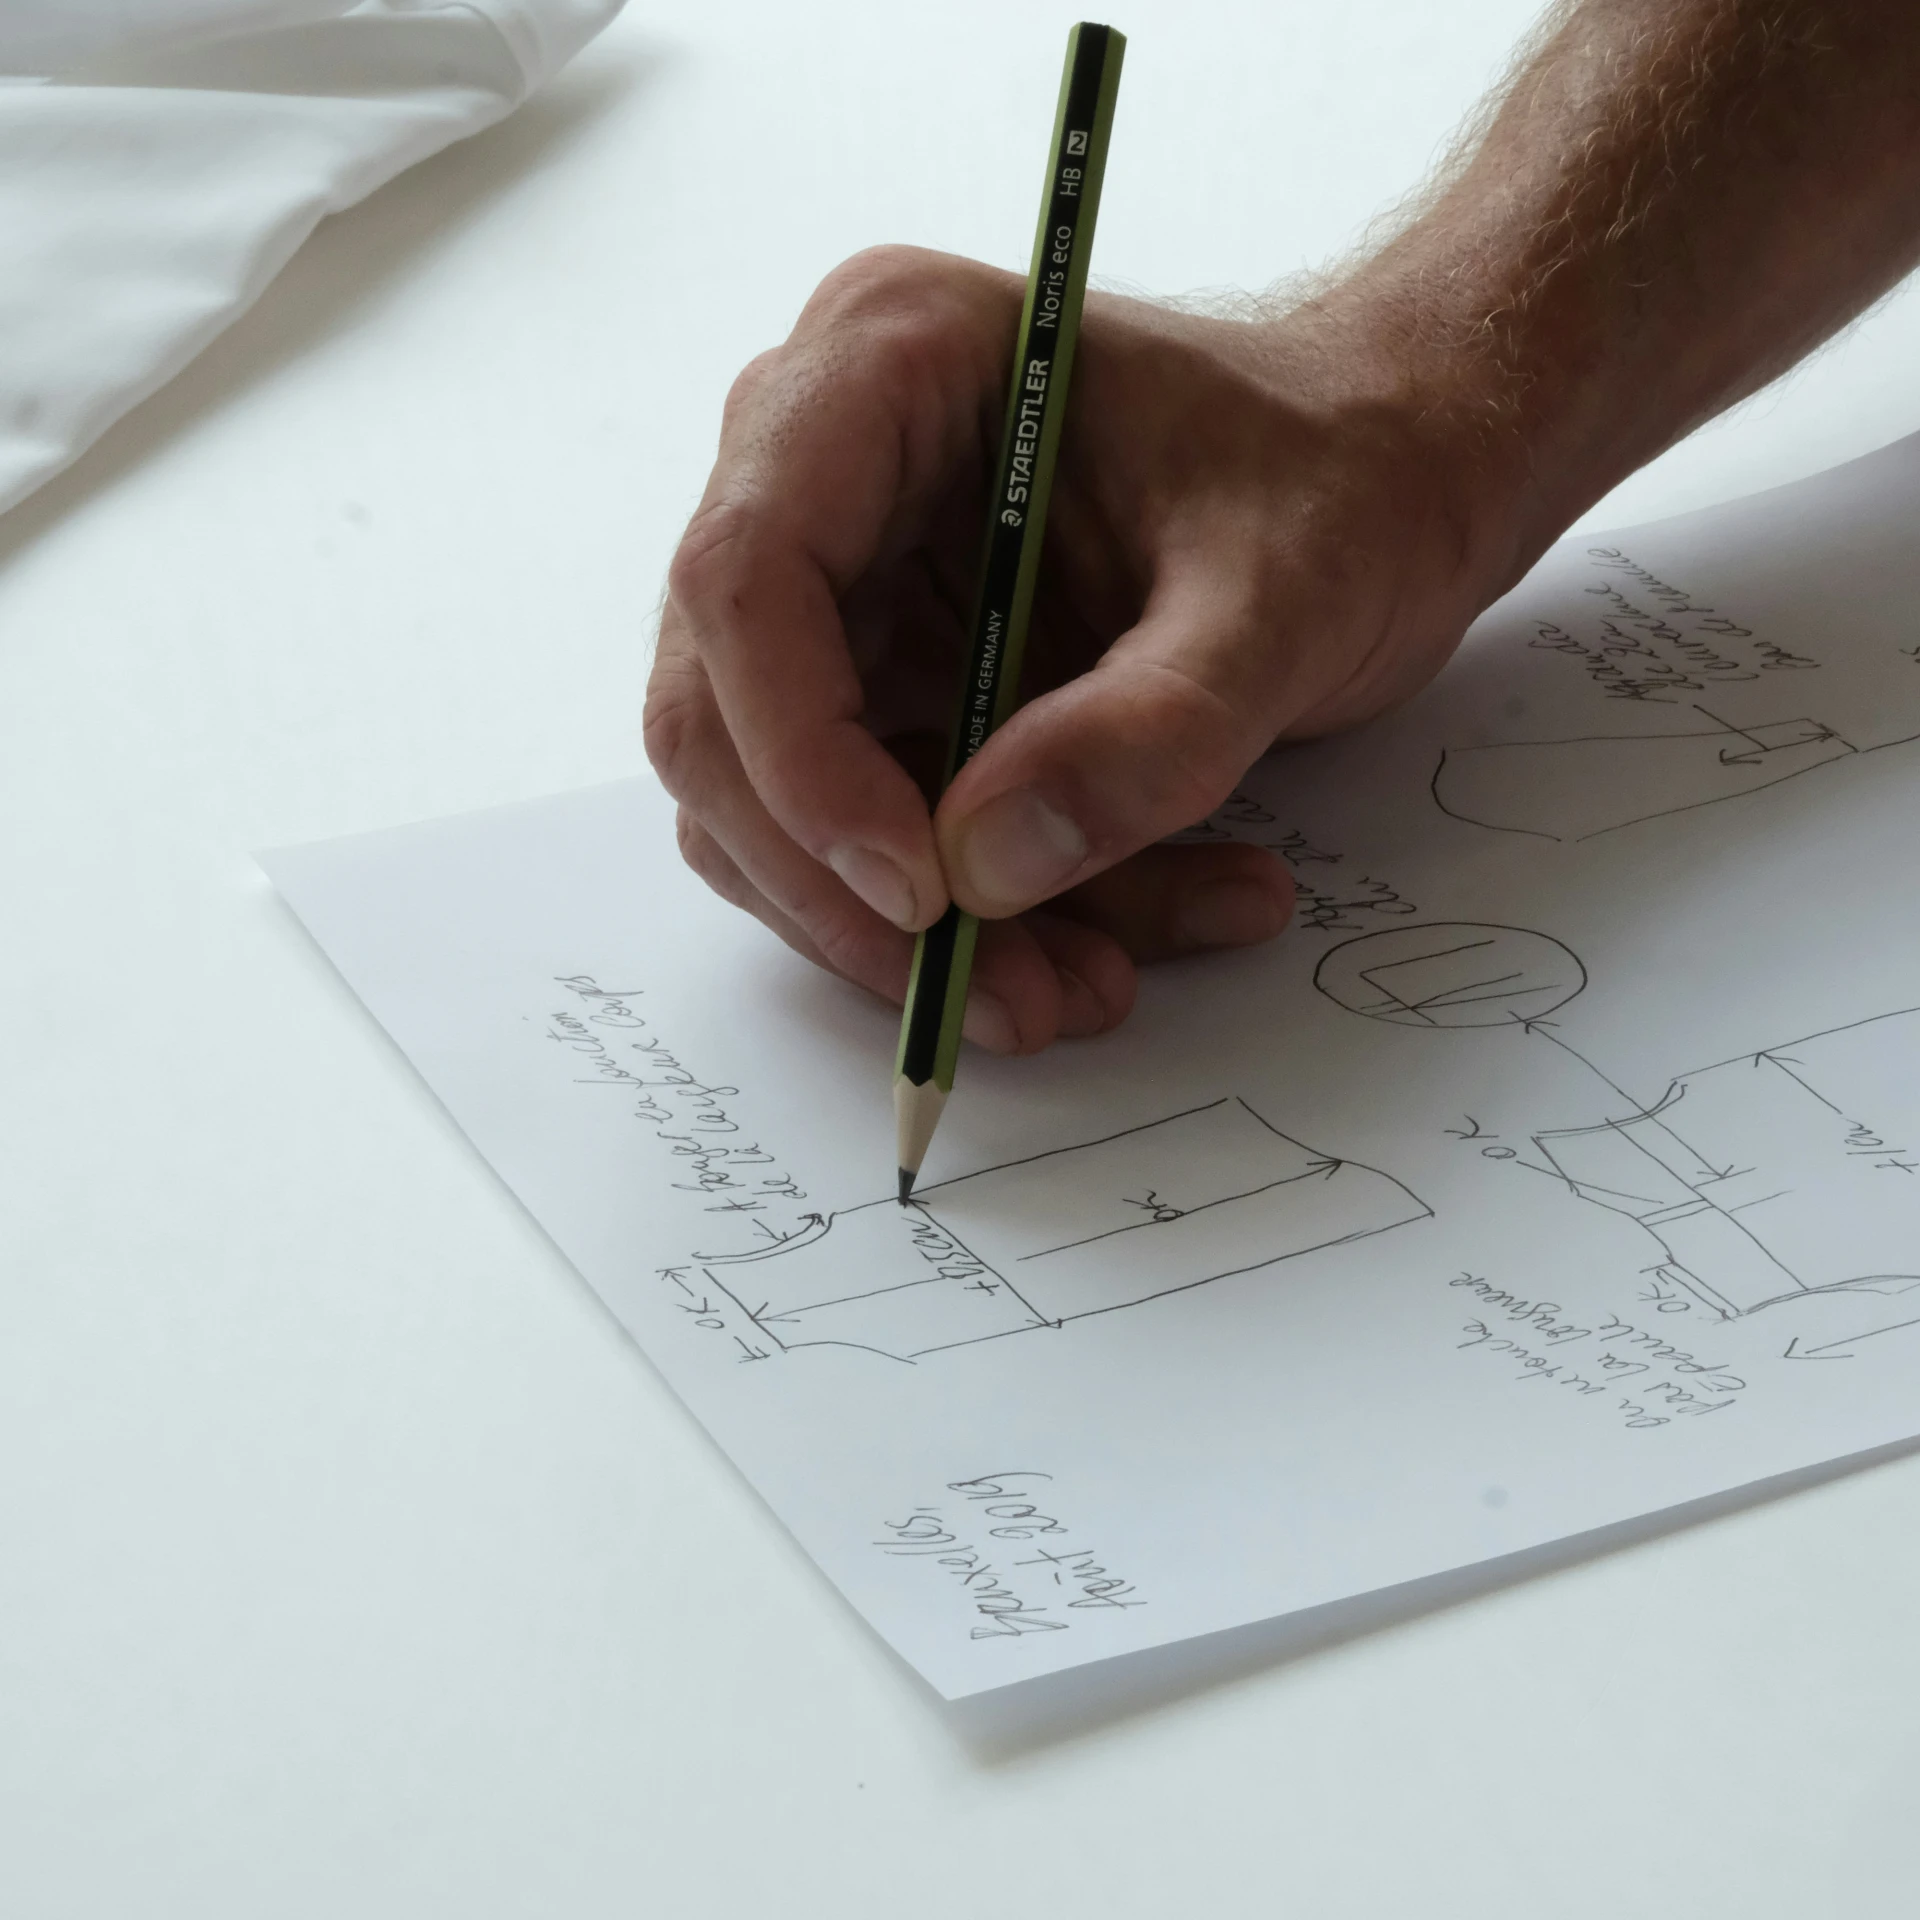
1259, 531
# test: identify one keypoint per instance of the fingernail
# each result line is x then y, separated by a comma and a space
1228, 913
1017, 849
1081, 1013
988, 1024
878, 881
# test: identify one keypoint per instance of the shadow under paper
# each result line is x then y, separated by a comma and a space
1016, 1720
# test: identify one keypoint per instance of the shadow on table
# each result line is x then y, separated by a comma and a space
353, 260
1012, 1721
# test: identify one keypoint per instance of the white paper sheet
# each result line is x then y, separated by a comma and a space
1561, 1165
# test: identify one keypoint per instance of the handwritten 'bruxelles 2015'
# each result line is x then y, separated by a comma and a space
1033, 1551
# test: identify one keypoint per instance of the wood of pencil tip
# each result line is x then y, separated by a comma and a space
916, 1112
1010, 561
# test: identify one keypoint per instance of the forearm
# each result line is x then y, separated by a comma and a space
1671, 202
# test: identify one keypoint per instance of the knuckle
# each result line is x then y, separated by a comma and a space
748, 384
907, 355
843, 944
693, 843
879, 279
903, 316
704, 855
799, 784
838, 951
709, 560
675, 727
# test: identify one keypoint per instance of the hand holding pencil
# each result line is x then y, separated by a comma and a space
1260, 528
1269, 521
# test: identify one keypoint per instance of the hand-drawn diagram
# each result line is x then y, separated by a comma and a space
1082, 1230
1581, 788
1451, 974
1776, 1177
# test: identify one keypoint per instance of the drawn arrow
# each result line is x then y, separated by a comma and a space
1756, 756
1795, 1351
812, 1226
1326, 1169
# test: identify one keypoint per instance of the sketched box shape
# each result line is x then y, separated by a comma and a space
1082, 1230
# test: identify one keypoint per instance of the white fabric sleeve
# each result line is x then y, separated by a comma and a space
160, 160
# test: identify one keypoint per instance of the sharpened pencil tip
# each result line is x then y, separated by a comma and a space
917, 1111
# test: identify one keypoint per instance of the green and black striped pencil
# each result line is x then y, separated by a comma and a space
1016, 526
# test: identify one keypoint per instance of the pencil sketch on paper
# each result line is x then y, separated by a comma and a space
1061, 1236
1786, 1178
1581, 788
1776, 1176
1450, 974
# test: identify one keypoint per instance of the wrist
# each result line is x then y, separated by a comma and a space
1517, 402
1450, 417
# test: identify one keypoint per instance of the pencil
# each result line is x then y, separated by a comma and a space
1016, 526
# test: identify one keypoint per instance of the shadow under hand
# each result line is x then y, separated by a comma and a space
353, 261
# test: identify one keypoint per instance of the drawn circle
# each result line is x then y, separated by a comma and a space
1450, 973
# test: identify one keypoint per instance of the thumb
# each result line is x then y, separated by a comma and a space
1152, 740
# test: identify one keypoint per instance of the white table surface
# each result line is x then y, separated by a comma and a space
351, 1562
